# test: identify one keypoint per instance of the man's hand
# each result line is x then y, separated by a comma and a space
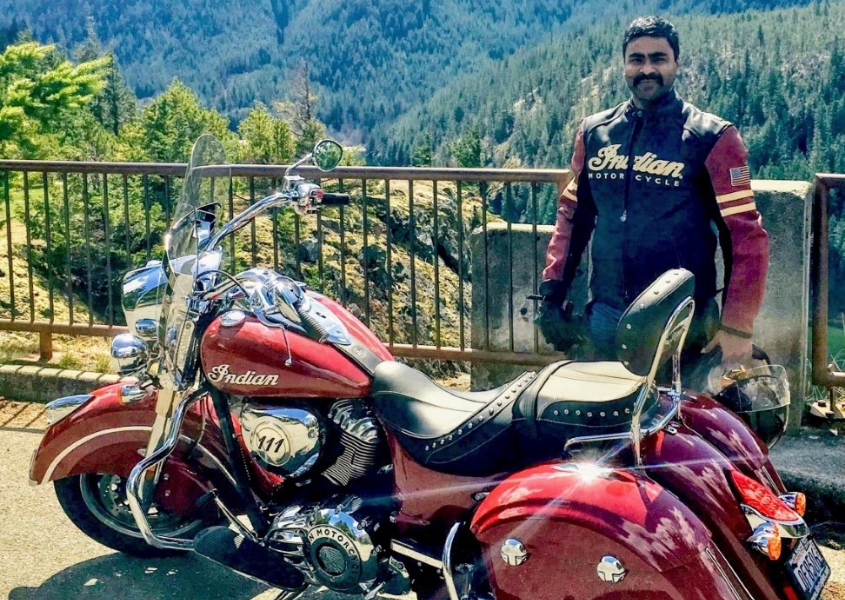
559, 326
735, 349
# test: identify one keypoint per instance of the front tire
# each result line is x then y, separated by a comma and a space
98, 506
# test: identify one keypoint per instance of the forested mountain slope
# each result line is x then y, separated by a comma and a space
784, 86
372, 59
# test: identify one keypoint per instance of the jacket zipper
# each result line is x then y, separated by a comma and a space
629, 171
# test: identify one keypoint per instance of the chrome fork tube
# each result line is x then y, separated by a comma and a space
134, 485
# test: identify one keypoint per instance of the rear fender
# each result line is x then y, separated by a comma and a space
697, 472
568, 519
106, 436
727, 432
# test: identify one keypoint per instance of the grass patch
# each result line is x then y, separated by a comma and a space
69, 361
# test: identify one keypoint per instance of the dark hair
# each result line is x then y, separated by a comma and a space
652, 27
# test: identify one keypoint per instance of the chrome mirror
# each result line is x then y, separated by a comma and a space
327, 154
205, 218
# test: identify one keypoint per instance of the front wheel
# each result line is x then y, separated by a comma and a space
97, 505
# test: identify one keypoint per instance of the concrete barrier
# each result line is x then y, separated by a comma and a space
514, 260
44, 384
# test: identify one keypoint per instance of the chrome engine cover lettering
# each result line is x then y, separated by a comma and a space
284, 440
222, 373
341, 551
329, 543
610, 570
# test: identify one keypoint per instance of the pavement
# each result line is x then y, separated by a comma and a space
813, 462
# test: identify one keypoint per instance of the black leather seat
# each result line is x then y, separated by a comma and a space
448, 431
531, 417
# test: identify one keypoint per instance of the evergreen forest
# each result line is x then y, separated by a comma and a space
457, 83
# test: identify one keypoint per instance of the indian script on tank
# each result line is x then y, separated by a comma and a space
221, 373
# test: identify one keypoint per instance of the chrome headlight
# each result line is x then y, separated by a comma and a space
130, 354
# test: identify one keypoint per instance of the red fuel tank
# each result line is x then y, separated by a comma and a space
248, 359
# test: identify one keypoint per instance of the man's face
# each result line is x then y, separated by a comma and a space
651, 68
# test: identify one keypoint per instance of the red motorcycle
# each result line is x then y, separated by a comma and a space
260, 398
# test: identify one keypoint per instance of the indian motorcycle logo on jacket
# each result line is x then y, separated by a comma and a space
608, 163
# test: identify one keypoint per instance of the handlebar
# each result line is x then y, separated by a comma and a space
330, 199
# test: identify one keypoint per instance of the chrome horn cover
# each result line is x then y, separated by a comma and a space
130, 354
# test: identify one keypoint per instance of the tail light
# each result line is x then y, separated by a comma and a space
758, 497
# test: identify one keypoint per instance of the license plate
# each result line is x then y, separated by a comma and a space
808, 569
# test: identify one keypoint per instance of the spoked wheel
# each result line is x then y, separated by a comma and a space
97, 505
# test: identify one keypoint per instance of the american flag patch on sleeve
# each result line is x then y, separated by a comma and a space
740, 176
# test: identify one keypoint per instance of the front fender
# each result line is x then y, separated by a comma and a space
569, 519
101, 436
106, 436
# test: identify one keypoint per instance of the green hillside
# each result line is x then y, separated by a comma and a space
372, 60
783, 87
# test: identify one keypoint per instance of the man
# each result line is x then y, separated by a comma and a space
656, 182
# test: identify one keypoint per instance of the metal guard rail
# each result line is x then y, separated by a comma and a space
823, 373
438, 351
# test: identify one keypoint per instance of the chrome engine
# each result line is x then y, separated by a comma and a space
289, 441
331, 543
361, 440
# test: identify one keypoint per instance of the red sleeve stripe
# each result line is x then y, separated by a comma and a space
734, 196
738, 209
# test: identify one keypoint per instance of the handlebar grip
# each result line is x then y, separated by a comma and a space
330, 199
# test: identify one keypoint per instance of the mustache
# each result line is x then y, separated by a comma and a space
656, 77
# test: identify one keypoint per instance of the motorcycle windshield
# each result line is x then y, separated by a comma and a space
205, 188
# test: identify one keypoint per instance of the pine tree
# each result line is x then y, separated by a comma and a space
40, 91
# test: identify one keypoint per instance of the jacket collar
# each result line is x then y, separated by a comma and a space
667, 105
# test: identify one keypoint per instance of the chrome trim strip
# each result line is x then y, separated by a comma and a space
713, 548
405, 550
764, 473
447, 562
724, 575
795, 530
59, 408
596, 438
